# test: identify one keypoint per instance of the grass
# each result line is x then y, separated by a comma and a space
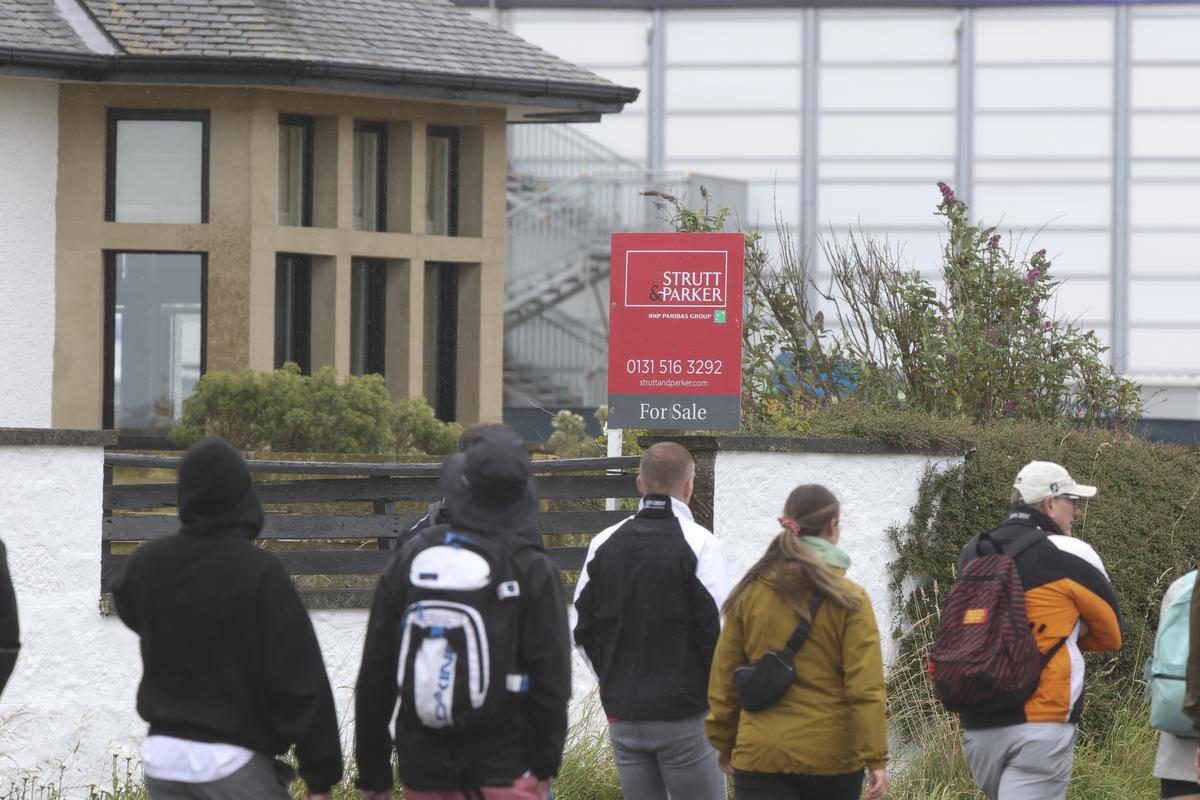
1115, 764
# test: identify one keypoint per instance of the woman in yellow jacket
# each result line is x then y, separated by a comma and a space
817, 739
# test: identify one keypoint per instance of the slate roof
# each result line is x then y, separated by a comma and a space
34, 25
424, 35
415, 47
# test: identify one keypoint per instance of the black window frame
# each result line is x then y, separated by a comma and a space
116, 115
375, 307
108, 411
299, 312
445, 349
454, 136
307, 156
380, 129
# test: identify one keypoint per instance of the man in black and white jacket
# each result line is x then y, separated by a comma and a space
647, 618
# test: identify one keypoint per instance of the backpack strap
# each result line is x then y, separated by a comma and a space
804, 626
1049, 654
1013, 548
1022, 543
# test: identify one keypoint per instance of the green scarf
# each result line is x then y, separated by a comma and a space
827, 551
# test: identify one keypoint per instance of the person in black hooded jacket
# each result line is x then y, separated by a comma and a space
437, 513
232, 672
489, 492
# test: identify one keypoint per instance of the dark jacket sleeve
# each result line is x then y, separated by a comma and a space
546, 657
967, 553
431, 517
375, 692
123, 600
706, 619
585, 616
298, 693
10, 628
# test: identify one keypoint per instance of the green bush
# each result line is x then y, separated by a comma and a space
415, 428
285, 411
987, 345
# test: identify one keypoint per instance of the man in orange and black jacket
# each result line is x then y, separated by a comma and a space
1026, 753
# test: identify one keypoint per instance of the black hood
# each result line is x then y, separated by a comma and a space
490, 488
216, 495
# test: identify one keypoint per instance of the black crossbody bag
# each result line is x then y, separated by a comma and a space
761, 683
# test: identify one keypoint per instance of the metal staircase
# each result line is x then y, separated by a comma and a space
566, 195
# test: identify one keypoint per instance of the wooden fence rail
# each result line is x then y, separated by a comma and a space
350, 549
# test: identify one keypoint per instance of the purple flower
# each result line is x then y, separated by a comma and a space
1047, 325
1032, 276
948, 195
994, 242
1009, 406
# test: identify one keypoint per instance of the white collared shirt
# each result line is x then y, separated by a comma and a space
167, 758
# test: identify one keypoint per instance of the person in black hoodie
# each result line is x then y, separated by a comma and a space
490, 495
232, 673
10, 627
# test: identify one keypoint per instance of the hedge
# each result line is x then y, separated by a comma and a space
1144, 521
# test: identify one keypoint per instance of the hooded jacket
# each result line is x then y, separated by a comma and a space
490, 489
228, 651
831, 721
1066, 588
518, 520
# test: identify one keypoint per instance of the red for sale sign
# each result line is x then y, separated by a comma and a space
675, 331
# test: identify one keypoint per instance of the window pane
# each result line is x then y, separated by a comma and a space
293, 311
159, 171
368, 303
292, 151
367, 180
440, 182
158, 323
441, 339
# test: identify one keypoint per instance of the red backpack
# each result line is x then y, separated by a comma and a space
984, 657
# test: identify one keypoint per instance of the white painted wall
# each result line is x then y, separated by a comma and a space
876, 492
28, 187
71, 696
71, 700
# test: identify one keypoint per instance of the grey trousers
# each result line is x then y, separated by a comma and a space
1031, 761
258, 780
657, 759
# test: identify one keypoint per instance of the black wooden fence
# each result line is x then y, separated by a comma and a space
348, 548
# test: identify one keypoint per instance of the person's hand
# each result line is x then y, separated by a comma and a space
877, 784
724, 763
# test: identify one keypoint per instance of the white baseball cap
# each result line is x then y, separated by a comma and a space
1038, 480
